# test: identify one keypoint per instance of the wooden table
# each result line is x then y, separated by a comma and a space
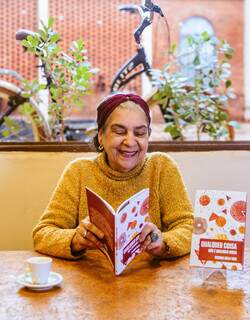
146, 290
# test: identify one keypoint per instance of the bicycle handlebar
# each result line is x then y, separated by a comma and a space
146, 12
22, 34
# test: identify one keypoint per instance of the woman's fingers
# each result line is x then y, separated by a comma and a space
87, 236
151, 239
86, 224
92, 240
146, 243
146, 231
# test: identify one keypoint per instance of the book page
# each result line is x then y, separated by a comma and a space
101, 214
130, 220
219, 230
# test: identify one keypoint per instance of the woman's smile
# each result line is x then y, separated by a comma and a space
127, 154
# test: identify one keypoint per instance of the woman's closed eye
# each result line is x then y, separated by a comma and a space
119, 131
140, 133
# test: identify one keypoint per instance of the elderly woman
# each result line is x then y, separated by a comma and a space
120, 170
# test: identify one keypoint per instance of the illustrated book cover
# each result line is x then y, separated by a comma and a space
122, 227
219, 230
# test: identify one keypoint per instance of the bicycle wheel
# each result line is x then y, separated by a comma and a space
16, 126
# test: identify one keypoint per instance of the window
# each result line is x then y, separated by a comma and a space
194, 26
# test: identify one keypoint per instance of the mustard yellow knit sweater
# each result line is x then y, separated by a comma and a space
169, 205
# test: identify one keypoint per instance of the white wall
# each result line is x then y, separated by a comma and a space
27, 180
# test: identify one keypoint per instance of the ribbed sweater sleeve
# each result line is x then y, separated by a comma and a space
56, 228
176, 209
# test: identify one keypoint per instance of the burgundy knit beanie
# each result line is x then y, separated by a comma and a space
108, 105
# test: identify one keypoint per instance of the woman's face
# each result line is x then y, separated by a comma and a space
125, 137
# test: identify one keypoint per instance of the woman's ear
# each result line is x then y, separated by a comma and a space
100, 133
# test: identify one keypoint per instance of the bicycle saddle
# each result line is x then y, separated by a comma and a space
22, 34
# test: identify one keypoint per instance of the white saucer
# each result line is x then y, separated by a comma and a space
54, 280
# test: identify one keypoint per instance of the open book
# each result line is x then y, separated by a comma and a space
219, 230
121, 228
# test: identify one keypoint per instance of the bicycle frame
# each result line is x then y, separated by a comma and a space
139, 59
126, 72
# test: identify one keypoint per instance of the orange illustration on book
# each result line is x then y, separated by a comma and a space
221, 202
204, 200
200, 225
132, 224
238, 211
233, 232
242, 229
221, 236
122, 240
220, 220
123, 217
144, 207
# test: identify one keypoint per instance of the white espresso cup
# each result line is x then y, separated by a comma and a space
39, 269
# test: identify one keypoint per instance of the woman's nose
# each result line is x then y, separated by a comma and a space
130, 139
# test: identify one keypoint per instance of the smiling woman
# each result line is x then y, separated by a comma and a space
120, 170
124, 136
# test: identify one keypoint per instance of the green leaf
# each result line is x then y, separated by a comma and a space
25, 43
205, 36
196, 61
173, 48
43, 34
228, 83
55, 37
50, 22
5, 133
190, 40
228, 56
26, 94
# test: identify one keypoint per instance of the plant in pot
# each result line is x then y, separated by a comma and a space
193, 89
68, 77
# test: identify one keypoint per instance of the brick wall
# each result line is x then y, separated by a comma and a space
16, 14
109, 40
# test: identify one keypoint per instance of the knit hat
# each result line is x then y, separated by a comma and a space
108, 105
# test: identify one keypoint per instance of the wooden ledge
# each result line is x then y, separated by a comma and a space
163, 146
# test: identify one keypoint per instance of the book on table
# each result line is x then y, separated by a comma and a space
121, 228
219, 230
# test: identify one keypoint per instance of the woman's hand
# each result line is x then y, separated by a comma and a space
151, 240
87, 236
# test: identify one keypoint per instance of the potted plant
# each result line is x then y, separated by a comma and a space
68, 78
193, 91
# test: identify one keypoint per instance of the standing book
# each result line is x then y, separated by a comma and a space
121, 228
219, 230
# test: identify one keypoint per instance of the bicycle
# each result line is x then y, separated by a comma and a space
15, 126
128, 71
